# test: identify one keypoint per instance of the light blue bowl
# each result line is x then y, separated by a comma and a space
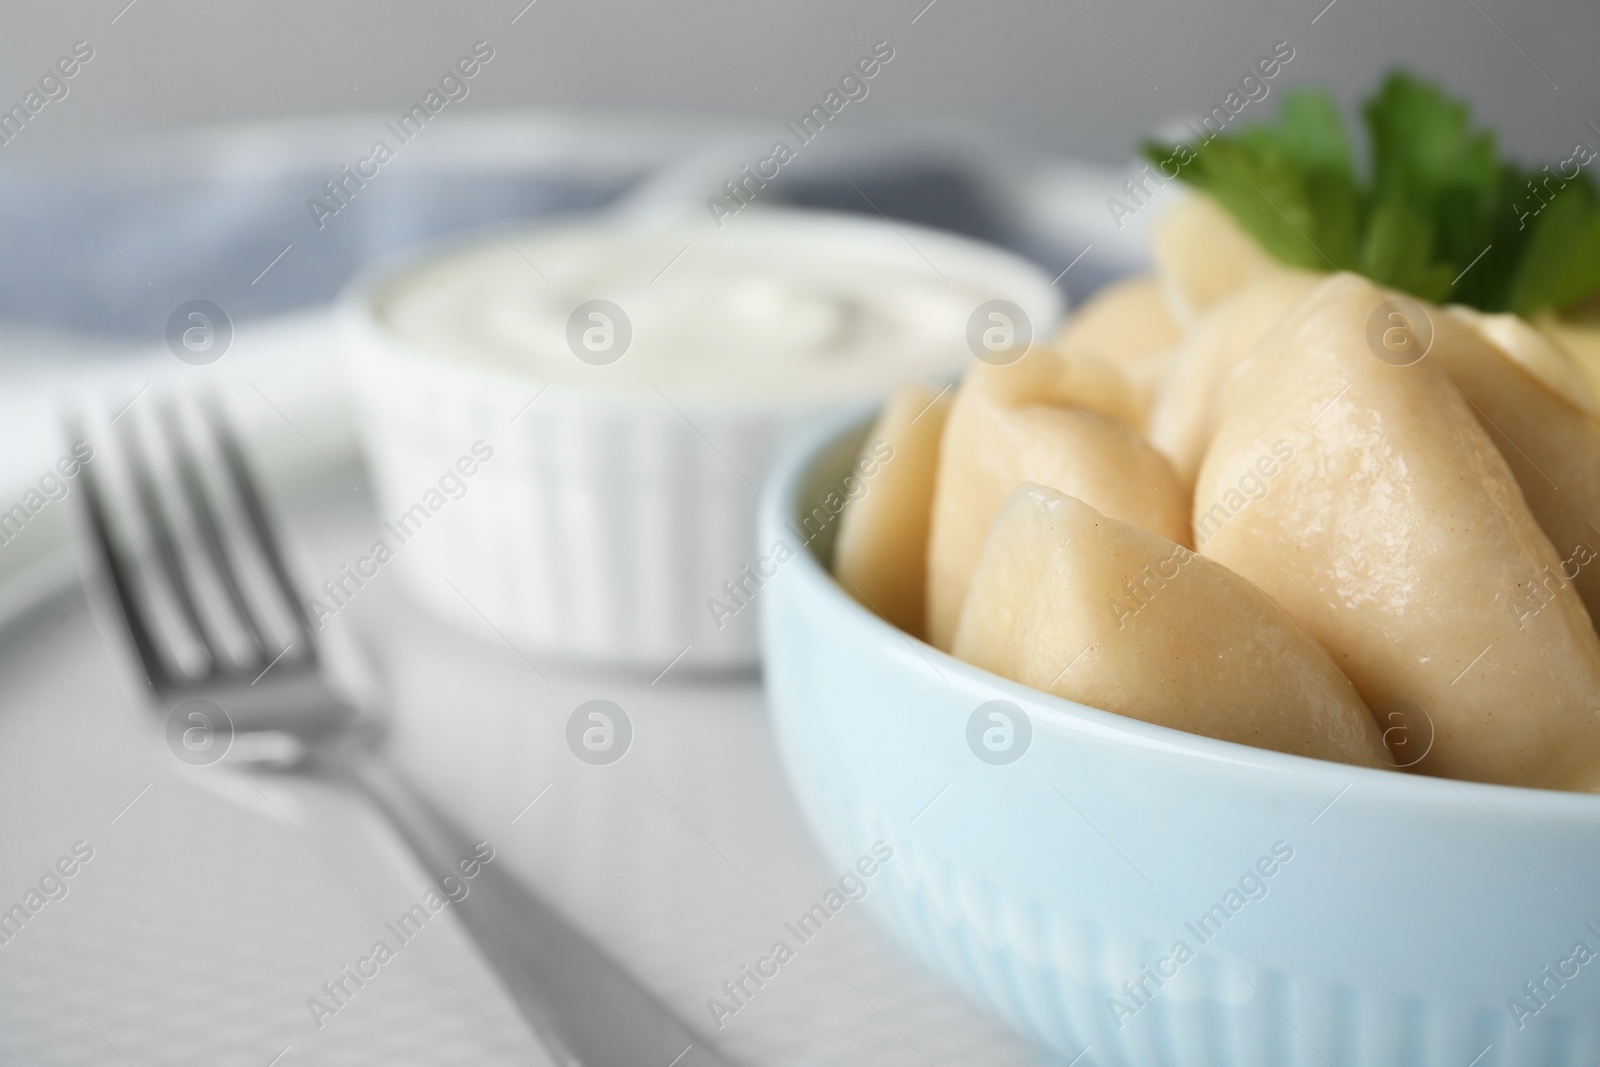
1400, 922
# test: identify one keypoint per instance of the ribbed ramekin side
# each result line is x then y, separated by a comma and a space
600, 530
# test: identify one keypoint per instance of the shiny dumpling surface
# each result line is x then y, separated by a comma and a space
1392, 531
1112, 616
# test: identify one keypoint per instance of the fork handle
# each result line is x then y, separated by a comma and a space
586, 1009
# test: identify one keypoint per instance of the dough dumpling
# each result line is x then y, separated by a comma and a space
881, 556
1017, 424
1393, 533
1202, 256
1127, 325
1183, 418
1546, 359
1101, 612
1528, 395
1579, 335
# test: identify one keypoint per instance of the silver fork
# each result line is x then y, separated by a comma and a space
197, 574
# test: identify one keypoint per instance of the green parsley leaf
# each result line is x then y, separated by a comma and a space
1440, 215
1423, 145
1562, 263
1397, 249
1311, 133
1266, 192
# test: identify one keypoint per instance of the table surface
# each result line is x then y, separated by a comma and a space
216, 905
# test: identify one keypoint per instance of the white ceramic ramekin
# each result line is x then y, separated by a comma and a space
608, 521
1366, 916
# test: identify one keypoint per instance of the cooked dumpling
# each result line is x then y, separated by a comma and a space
1101, 612
1183, 418
881, 556
1579, 335
1016, 424
1544, 358
1087, 381
1127, 325
1202, 256
1543, 426
1368, 502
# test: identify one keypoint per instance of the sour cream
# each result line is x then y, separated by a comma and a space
635, 383
774, 308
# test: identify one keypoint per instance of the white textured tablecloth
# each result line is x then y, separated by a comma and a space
214, 906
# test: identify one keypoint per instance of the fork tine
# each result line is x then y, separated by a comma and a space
135, 611
166, 544
261, 525
217, 545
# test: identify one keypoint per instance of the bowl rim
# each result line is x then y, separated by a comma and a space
356, 302
779, 504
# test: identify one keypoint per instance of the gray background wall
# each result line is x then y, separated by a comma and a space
1082, 77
